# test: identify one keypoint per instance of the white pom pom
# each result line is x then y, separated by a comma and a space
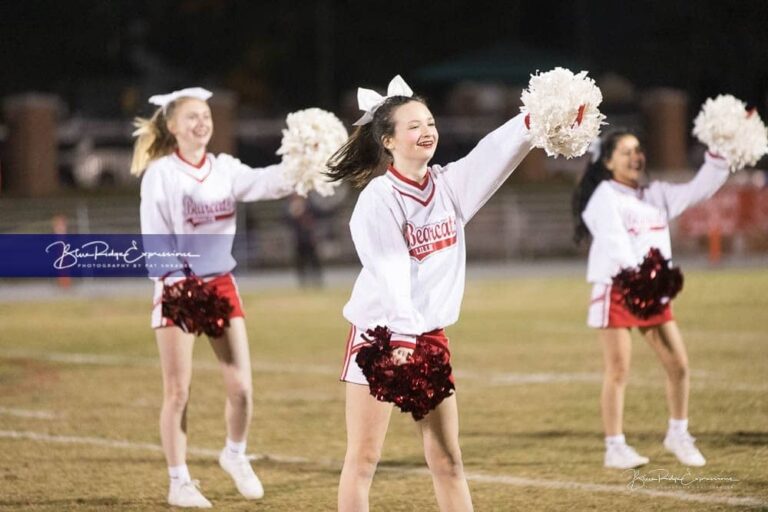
563, 115
727, 128
312, 136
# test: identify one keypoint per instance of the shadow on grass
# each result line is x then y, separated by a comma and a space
535, 434
738, 438
66, 504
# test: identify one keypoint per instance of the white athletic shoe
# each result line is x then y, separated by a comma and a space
242, 473
187, 495
623, 456
684, 448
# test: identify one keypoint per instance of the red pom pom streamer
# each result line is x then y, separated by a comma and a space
417, 386
196, 307
648, 288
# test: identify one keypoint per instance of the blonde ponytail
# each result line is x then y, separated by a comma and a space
153, 140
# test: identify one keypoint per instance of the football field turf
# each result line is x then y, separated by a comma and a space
80, 391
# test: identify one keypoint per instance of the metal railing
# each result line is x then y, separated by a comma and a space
511, 225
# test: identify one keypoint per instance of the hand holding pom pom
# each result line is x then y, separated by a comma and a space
562, 114
648, 288
416, 384
311, 138
726, 126
195, 307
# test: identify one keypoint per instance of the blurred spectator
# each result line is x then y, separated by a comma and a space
302, 220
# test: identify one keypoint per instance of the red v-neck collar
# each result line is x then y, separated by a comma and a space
422, 193
627, 189
198, 165
188, 172
420, 186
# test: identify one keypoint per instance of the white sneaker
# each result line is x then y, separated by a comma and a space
623, 456
242, 473
683, 447
187, 495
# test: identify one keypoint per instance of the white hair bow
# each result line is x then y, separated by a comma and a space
369, 100
163, 100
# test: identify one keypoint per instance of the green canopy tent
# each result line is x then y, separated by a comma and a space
507, 63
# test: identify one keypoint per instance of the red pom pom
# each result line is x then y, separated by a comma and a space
648, 288
196, 307
417, 386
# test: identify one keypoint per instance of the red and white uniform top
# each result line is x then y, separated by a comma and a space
181, 198
626, 222
410, 236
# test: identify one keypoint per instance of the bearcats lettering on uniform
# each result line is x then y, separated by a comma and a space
425, 240
637, 224
197, 213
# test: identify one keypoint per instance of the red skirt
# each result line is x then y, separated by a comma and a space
225, 286
351, 372
607, 309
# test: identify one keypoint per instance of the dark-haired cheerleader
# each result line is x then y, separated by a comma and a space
408, 230
625, 221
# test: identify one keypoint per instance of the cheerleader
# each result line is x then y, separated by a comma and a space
187, 191
408, 230
625, 220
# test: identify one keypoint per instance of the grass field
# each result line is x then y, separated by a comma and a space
80, 392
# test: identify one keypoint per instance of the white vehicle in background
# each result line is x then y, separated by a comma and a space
96, 153
93, 166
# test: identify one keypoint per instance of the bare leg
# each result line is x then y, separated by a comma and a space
175, 347
617, 351
231, 349
668, 344
440, 432
367, 422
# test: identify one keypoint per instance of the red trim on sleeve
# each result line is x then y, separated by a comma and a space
716, 155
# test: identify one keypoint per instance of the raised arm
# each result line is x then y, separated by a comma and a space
255, 184
675, 198
474, 178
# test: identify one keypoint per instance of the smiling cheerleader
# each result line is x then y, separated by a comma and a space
408, 230
629, 268
189, 192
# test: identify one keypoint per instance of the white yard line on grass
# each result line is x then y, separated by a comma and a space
490, 378
26, 413
483, 478
615, 489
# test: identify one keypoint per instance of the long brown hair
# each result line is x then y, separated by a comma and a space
595, 174
364, 154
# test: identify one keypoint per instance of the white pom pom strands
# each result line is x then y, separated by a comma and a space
311, 138
563, 117
727, 128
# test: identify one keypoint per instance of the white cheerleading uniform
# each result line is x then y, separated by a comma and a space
178, 198
626, 222
410, 240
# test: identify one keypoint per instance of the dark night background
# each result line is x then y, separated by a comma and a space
285, 55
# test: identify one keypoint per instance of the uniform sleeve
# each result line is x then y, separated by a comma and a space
609, 236
154, 211
155, 217
256, 184
473, 179
378, 239
675, 198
